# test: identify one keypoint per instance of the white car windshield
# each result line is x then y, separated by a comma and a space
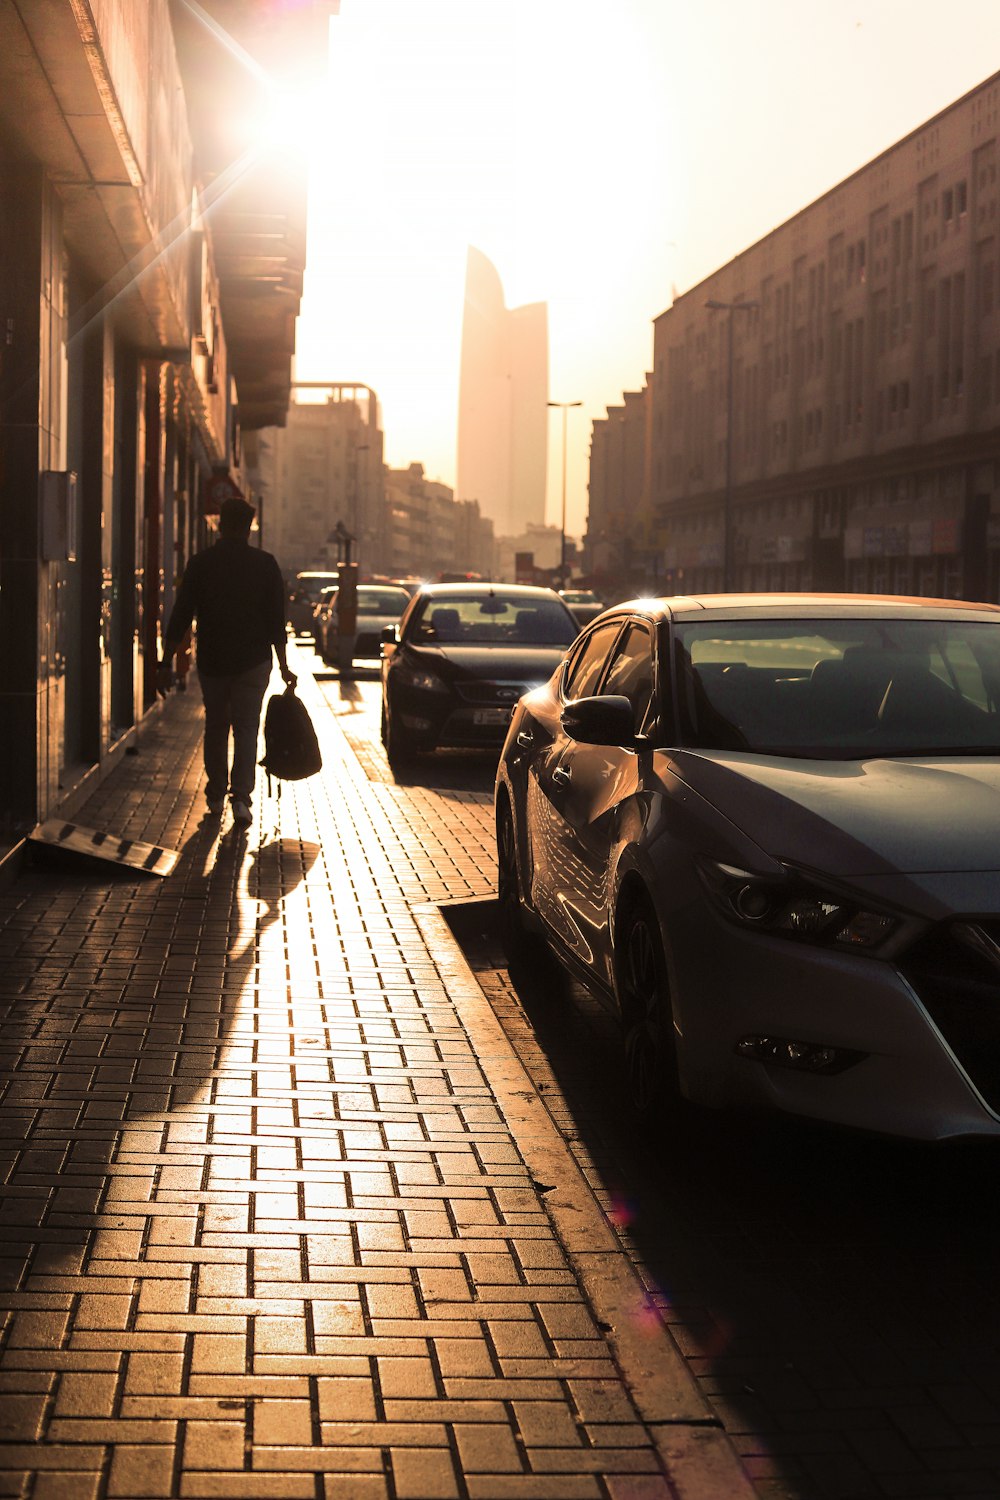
840, 689
379, 601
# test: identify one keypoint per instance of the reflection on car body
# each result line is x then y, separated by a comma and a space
304, 595
583, 604
462, 656
378, 605
765, 828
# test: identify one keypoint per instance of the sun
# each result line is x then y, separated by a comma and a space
290, 119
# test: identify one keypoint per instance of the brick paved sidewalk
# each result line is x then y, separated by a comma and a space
281, 1213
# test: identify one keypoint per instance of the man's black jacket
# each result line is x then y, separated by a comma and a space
236, 594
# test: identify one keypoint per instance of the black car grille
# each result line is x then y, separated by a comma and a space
490, 692
955, 969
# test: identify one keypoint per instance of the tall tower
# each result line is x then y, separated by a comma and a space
502, 414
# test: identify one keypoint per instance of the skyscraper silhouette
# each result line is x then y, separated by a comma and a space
502, 414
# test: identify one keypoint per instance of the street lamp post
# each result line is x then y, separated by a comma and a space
564, 407
727, 507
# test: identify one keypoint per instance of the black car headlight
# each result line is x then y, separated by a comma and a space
791, 906
419, 677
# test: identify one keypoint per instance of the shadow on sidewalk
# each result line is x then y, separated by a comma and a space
810, 1274
119, 1000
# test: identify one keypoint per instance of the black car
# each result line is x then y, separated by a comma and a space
461, 657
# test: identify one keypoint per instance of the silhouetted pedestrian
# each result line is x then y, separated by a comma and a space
236, 596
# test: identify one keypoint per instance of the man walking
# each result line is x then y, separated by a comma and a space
236, 594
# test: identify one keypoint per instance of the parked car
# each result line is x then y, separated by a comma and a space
379, 605
303, 597
765, 829
461, 657
583, 603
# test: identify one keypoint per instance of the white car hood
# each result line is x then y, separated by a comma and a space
938, 814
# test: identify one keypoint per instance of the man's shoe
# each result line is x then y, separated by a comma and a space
242, 816
216, 805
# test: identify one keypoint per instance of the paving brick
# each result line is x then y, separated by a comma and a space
214, 1486
214, 1445
346, 1398
38, 1330
137, 1472
534, 1487
488, 1449
355, 1487
521, 1339
546, 1423
21, 1417
276, 1422
305, 1213
154, 1374
74, 1486
423, 1474
408, 1377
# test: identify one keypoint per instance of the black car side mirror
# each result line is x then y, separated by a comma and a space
600, 721
390, 634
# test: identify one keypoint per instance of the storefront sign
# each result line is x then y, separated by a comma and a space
944, 536
216, 488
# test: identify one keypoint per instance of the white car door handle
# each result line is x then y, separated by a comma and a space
562, 776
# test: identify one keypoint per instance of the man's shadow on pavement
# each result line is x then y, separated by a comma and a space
139, 1077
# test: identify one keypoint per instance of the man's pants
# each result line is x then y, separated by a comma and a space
233, 703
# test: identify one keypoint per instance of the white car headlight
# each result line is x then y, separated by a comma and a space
794, 908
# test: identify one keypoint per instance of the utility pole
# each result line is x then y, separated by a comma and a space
564, 407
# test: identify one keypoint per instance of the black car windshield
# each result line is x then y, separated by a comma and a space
840, 689
494, 618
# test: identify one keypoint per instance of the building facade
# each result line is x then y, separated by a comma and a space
502, 412
825, 409
620, 545
149, 282
320, 476
429, 532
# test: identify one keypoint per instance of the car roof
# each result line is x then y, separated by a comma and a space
799, 606
481, 590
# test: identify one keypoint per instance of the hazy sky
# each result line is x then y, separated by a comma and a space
599, 152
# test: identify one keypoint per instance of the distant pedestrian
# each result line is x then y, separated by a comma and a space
236, 596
